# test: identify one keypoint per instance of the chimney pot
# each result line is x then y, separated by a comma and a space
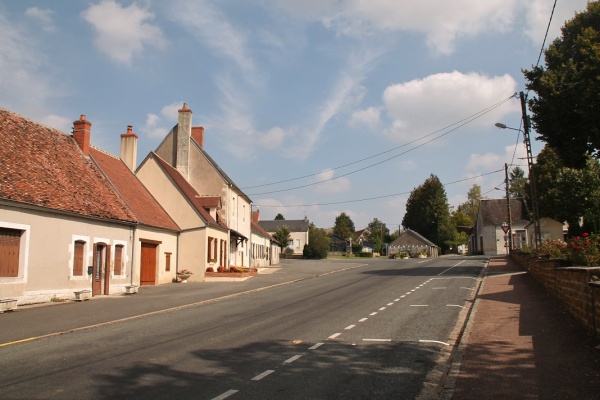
81, 134
129, 148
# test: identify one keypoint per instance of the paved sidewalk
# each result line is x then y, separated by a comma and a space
520, 343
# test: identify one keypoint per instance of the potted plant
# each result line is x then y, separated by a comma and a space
423, 253
404, 255
184, 275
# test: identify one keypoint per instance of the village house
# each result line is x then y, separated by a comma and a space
63, 227
265, 249
298, 232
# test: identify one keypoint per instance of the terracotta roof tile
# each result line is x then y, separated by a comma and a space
42, 166
135, 194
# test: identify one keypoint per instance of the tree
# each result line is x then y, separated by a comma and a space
344, 227
282, 235
517, 184
378, 234
428, 213
565, 109
470, 207
318, 243
279, 217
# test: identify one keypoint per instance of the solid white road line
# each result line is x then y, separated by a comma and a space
377, 340
225, 395
433, 341
292, 359
260, 376
334, 336
454, 305
315, 346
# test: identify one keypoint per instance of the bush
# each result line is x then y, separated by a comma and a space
365, 254
210, 269
581, 250
221, 269
235, 269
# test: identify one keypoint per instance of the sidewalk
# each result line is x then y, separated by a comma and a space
520, 343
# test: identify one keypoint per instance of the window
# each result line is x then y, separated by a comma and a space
10, 245
291, 244
298, 243
212, 249
167, 261
78, 256
209, 253
118, 260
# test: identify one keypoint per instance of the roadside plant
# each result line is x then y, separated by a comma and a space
581, 250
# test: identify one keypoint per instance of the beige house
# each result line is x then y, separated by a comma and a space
203, 240
550, 229
265, 249
183, 149
155, 238
63, 227
488, 235
298, 232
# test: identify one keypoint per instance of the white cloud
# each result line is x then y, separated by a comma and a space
123, 32
274, 137
152, 127
423, 106
63, 124
369, 118
330, 185
44, 17
481, 163
538, 14
442, 22
171, 111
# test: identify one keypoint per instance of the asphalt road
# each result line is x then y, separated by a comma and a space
372, 331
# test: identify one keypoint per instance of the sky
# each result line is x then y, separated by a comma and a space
312, 107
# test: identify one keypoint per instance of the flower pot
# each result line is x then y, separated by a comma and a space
131, 289
83, 295
8, 305
183, 277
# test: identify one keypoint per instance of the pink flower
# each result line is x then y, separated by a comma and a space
585, 234
578, 248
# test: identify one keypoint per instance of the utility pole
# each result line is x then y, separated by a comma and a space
508, 213
534, 203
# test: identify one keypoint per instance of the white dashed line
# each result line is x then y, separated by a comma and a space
377, 340
407, 293
260, 376
390, 304
468, 288
315, 346
397, 300
382, 308
373, 313
363, 319
225, 395
403, 296
349, 327
292, 359
334, 336
419, 305
434, 341
442, 287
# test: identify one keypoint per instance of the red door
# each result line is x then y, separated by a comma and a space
148, 264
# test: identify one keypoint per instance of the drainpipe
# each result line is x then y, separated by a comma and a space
132, 255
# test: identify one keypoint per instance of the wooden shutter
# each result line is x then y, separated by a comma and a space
118, 260
78, 258
10, 245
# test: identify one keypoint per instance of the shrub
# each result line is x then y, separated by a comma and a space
221, 269
210, 269
234, 269
581, 250
366, 254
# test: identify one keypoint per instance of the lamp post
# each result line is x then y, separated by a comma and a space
527, 142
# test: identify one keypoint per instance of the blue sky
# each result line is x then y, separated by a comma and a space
310, 106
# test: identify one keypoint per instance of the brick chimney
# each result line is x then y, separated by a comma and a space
81, 133
256, 216
198, 135
184, 132
129, 148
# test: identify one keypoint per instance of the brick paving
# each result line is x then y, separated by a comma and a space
520, 343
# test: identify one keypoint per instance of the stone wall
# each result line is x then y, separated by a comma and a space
578, 288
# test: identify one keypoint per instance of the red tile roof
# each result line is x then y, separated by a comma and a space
188, 191
42, 166
135, 194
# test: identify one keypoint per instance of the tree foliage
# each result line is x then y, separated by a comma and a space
318, 243
282, 235
378, 234
469, 208
279, 217
344, 227
517, 184
427, 212
565, 109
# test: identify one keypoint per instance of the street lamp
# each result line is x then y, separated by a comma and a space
527, 142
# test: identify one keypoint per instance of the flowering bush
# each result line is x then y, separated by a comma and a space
581, 250
210, 269
184, 272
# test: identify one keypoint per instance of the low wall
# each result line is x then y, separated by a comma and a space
578, 288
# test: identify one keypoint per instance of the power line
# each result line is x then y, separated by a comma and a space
371, 198
461, 123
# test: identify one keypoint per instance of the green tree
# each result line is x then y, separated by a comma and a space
428, 213
517, 184
318, 243
565, 109
470, 207
344, 227
282, 235
279, 217
378, 234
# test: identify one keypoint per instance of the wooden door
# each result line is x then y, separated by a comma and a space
148, 264
107, 270
98, 262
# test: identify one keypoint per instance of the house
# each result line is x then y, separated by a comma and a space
413, 243
265, 249
488, 235
182, 150
63, 226
204, 236
298, 232
156, 237
550, 229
